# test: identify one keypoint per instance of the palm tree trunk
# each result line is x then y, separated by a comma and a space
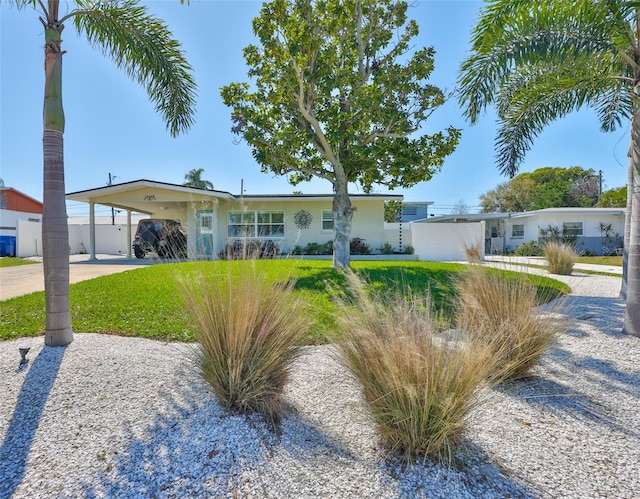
632, 312
342, 217
55, 243
627, 225
55, 231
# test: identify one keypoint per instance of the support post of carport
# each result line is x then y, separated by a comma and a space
92, 230
128, 233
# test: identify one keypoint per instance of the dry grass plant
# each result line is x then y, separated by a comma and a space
419, 387
561, 257
473, 254
501, 314
248, 330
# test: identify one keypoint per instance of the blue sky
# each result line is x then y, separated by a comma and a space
112, 128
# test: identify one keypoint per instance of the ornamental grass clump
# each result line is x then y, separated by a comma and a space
473, 254
561, 257
248, 329
499, 313
418, 386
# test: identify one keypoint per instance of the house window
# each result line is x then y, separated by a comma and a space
265, 224
517, 230
327, 220
241, 224
572, 228
270, 223
206, 223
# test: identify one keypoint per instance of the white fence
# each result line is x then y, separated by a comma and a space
28, 238
446, 241
110, 239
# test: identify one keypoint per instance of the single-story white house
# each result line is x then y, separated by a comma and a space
598, 230
213, 219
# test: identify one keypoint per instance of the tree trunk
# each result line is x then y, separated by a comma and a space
342, 216
627, 224
632, 312
55, 231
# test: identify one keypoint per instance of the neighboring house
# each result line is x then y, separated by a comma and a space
16, 210
213, 219
598, 230
414, 211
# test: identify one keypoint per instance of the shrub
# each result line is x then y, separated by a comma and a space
419, 388
409, 250
248, 329
359, 247
561, 257
498, 313
529, 249
473, 254
386, 249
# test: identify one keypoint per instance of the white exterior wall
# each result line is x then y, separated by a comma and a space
9, 221
590, 225
446, 241
368, 221
398, 235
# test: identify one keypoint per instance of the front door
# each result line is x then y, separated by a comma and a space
205, 236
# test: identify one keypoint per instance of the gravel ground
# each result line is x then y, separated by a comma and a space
127, 417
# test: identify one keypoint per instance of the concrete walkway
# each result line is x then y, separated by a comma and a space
540, 261
25, 279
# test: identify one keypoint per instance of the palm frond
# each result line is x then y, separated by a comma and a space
144, 48
539, 61
533, 97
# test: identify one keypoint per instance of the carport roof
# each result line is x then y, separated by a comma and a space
117, 195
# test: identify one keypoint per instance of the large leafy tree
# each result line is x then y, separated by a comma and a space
539, 61
338, 93
613, 198
143, 47
544, 188
193, 178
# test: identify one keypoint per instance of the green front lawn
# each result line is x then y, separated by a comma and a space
601, 260
145, 302
9, 261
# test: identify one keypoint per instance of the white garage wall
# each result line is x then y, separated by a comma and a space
446, 241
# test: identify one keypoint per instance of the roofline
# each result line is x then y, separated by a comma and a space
21, 193
611, 211
148, 183
225, 194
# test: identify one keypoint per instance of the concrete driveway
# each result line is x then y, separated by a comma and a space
25, 279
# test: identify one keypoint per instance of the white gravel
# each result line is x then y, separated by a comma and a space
126, 417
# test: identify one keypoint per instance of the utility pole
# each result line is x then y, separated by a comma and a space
113, 213
600, 185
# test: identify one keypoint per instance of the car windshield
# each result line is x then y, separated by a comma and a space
151, 225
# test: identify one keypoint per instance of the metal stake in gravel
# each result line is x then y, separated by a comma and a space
23, 354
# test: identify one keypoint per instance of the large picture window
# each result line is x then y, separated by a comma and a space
327, 220
262, 224
572, 229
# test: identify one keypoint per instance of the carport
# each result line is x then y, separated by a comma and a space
156, 199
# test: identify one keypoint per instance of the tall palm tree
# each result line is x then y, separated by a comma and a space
539, 61
143, 47
194, 179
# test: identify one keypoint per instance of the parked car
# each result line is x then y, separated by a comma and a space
163, 237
